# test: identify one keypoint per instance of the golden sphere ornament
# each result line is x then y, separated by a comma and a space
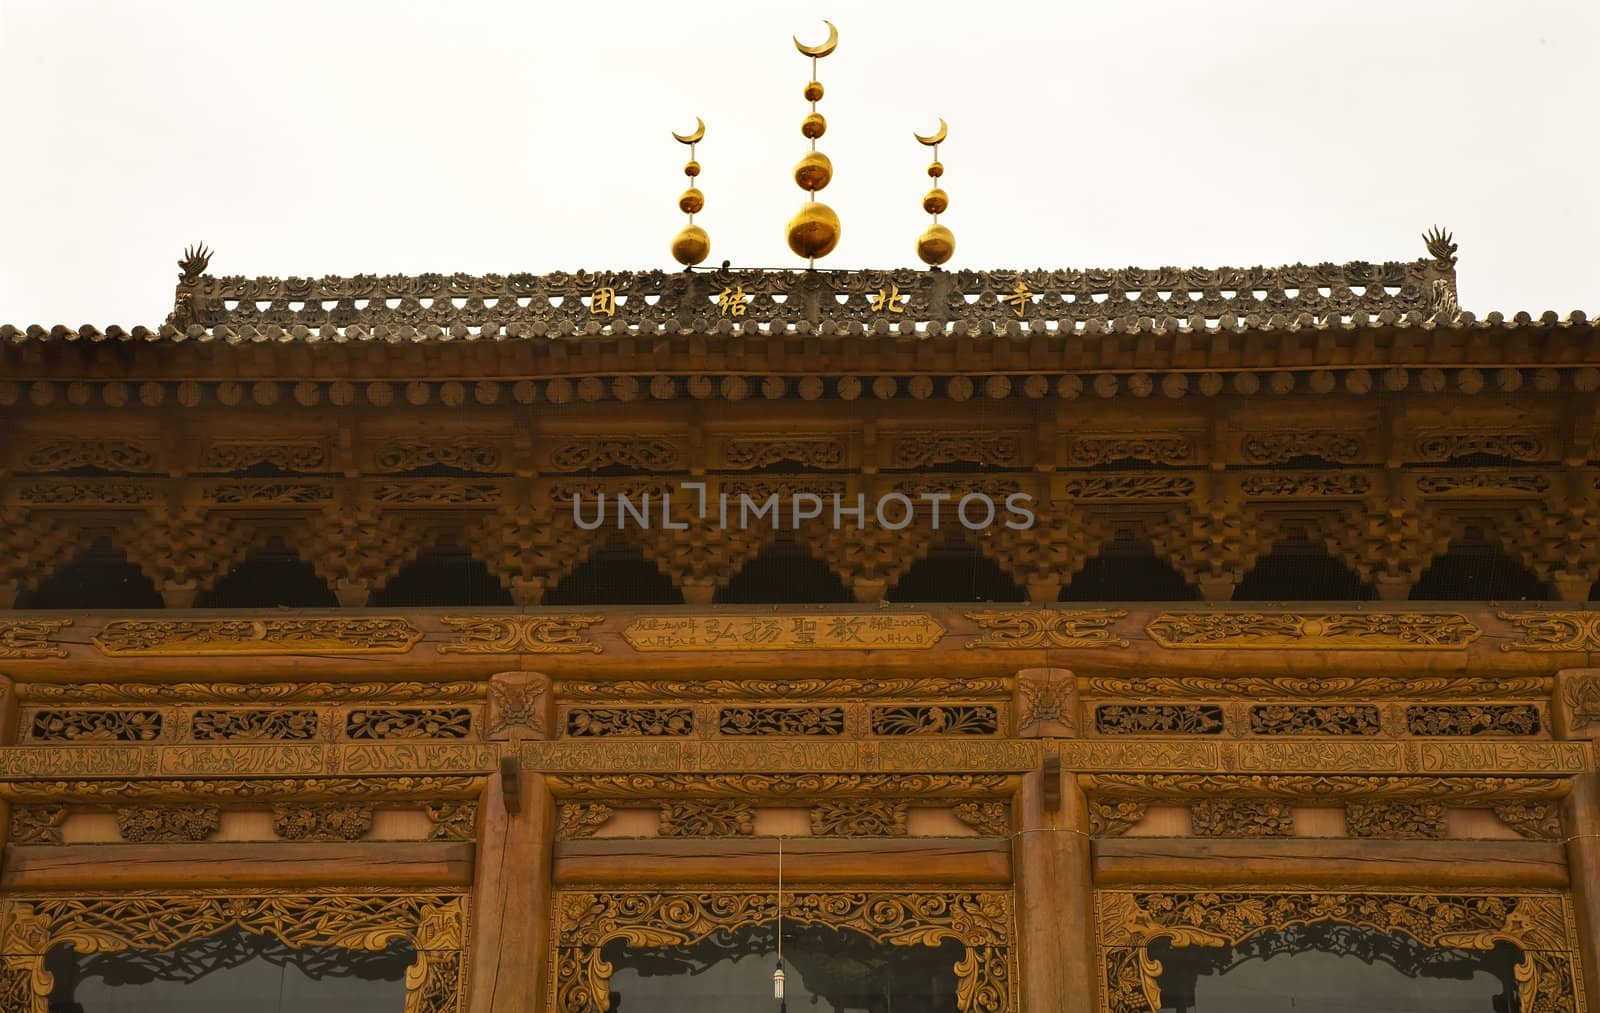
935, 201
814, 171
936, 245
936, 169
691, 168
814, 232
691, 246
692, 201
813, 91
813, 126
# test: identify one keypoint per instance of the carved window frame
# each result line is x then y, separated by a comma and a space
587, 920
435, 923
1541, 926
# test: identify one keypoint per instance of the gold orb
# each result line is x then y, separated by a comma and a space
813, 91
936, 245
935, 201
691, 246
813, 126
691, 168
936, 169
814, 171
692, 201
814, 232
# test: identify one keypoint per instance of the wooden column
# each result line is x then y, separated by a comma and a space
511, 887
9, 733
1054, 874
1577, 712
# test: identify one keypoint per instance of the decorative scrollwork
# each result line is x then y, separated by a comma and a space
1241, 817
1553, 631
1282, 447
409, 723
475, 456
30, 638
781, 721
925, 449
526, 634
380, 635
1158, 719
1114, 818
858, 818
452, 820
1445, 446
982, 922
706, 819
240, 455
991, 819
1473, 719
342, 822
1396, 820
106, 455
1026, 629
934, 719
637, 453
1089, 451
37, 824
588, 722
1540, 925
1539, 821
290, 725
1344, 630
581, 819
1315, 719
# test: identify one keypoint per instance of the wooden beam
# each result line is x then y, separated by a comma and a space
153, 866
932, 861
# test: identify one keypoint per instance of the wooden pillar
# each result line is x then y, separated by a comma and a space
1577, 714
9, 733
511, 886
1054, 870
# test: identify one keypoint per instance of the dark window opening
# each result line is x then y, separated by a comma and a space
1128, 569
1474, 569
1334, 968
615, 576
442, 577
783, 573
271, 577
955, 572
1298, 570
99, 577
824, 969
236, 971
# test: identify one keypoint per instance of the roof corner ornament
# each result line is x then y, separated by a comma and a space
937, 244
1440, 246
691, 245
194, 263
814, 232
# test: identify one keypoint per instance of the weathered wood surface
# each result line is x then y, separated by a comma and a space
194, 866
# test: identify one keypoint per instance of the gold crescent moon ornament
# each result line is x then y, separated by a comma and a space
930, 140
700, 132
818, 52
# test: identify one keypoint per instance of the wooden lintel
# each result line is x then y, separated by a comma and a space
188, 866
925, 861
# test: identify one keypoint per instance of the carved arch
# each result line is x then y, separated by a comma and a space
1541, 926
435, 924
587, 921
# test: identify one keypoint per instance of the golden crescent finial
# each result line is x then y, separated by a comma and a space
818, 52
936, 137
699, 132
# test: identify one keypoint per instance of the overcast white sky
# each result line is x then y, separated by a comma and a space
310, 138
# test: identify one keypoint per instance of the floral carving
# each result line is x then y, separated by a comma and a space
123, 637
435, 923
1443, 483
782, 689
30, 638
106, 455
858, 818
1540, 821
1241, 817
638, 453
409, 723
706, 819
1538, 924
1325, 787
763, 452
521, 634
1443, 446
297, 822
581, 819
37, 824
166, 826
1315, 719
1282, 447
1114, 818
452, 820
1315, 686
1473, 719
949, 719
1582, 697
990, 819
824, 720
1158, 719
476, 456
1344, 630
1395, 820
925, 449
595, 721
1129, 487
517, 705
777, 786
1046, 705
1305, 484
1035, 628
235, 455
982, 922
98, 725
1554, 631
214, 724
1089, 451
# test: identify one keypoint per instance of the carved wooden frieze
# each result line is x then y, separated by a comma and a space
989, 819
169, 637
810, 632
1324, 789
557, 634
1357, 631
145, 825
819, 720
763, 450
1088, 451
1535, 820
777, 787
1316, 719
1281, 447
581, 819
1543, 630
286, 455
294, 821
1305, 484
1292, 687
474, 454
1158, 719
1474, 719
637, 453
1241, 817
706, 819
1027, 629
106, 454
31, 638
1396, 820
915, 754
858, 818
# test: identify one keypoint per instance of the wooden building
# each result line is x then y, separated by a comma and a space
316, 686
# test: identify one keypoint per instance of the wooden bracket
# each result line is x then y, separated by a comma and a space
511, 784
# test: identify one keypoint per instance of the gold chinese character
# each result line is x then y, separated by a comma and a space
1019, 297
891, 300
733, 301
604, 301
